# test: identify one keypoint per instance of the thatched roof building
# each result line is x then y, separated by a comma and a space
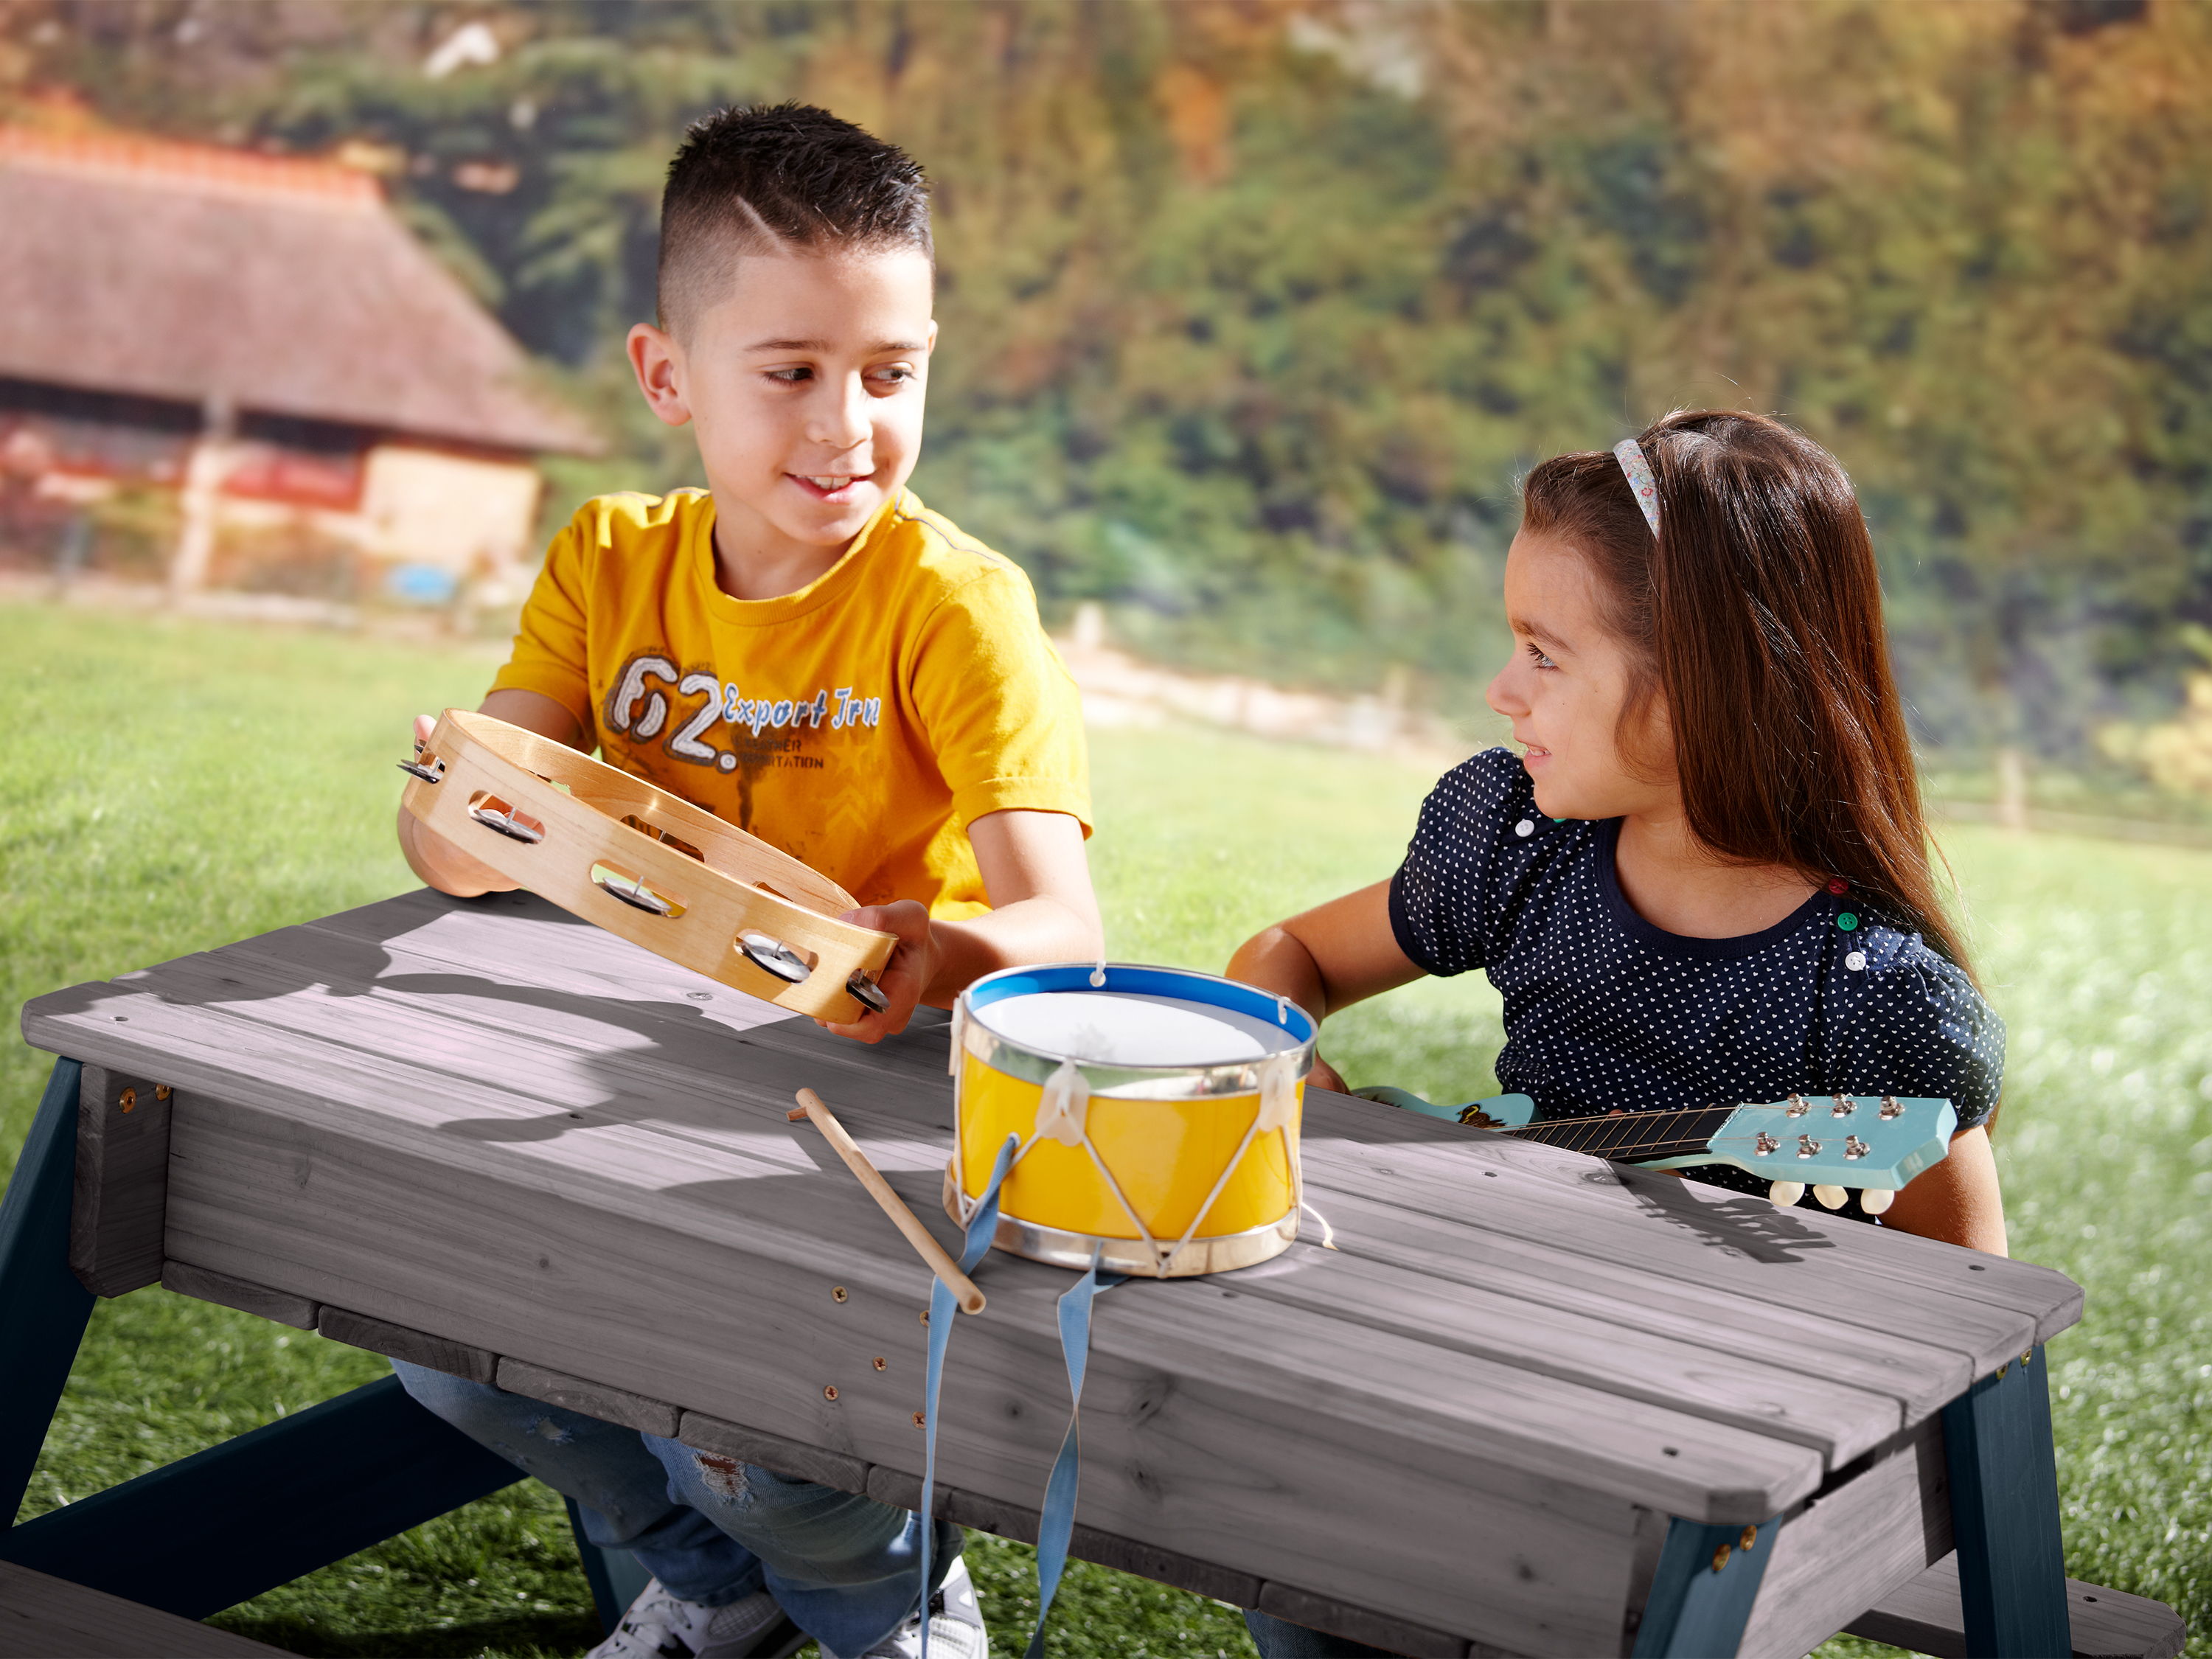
253, 328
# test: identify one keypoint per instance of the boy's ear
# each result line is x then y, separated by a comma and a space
658, 362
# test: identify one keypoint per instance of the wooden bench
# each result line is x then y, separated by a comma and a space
1925, 1616
46, 1618
1523, 1401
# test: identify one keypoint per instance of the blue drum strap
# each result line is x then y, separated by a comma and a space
943, 1311
1057, 1524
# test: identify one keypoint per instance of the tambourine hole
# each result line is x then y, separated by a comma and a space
663, 837
618, 883
497, 815
773, 956
866, 992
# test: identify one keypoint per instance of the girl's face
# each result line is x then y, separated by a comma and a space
1565, 689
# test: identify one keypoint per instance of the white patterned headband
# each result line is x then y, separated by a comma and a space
1630, 454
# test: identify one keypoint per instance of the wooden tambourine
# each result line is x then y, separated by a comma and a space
638, 862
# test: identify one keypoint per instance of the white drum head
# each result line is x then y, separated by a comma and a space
1102, 1028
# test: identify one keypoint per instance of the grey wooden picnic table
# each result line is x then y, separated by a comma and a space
1499, 1397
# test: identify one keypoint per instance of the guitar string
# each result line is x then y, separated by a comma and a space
1634, 1132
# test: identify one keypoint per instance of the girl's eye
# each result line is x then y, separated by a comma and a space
1542, 661
790, 376
897, 374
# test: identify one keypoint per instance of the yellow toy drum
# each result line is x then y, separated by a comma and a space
1155, 1109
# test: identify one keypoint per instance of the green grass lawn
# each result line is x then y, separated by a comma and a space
174, 786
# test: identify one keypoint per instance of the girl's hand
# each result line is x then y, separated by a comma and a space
1340, 953
914, 967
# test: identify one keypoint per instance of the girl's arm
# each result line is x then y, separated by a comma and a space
1957, 1200
1328, 958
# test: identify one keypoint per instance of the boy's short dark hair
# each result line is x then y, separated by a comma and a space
765, 178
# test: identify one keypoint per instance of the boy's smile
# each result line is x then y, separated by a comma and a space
804, 387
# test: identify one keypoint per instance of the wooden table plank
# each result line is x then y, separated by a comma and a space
483, 939
580, 955
1586, 1343
1175, 1395
468, 1044
1878, 1280
1919, 1375
490, 1125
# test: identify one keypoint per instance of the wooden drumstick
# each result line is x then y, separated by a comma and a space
962, 1288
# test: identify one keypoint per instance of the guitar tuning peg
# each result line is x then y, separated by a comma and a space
1786, 1193
1875, 1199
1830, 1198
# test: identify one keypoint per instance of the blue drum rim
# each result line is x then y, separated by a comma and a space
1181, 1082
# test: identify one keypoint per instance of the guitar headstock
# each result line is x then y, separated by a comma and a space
1874, 1142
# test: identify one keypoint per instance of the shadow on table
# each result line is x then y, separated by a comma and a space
673, 1043
1738, 1222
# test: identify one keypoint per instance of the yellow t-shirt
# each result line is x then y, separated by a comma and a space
859, 724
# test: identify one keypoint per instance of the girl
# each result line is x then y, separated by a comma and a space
1706, 876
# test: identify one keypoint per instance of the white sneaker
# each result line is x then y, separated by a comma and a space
663, 1625
956, 1626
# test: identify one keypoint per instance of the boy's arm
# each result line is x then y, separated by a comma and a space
1042, 909
437, 860
1330, 957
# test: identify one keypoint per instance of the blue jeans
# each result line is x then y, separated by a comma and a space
1279, 1639
847, 1569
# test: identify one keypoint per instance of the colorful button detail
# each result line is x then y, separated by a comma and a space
1838, 886
1846, 920
1855, 961
1527, 827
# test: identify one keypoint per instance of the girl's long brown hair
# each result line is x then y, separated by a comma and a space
1756, 614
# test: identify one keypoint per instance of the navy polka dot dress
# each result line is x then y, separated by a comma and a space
1605, 1012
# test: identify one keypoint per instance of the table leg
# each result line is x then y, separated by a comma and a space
1702, 1593
2005, 1514
220, 1526
236, 1519
43, 1309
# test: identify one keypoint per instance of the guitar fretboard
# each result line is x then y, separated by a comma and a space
1633, 1137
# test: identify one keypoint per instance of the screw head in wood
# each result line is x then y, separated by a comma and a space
830, 1391
921, 1421
836, 1292
925, 1315
1720, 1558
162, 1091
129, 1098
882, 1363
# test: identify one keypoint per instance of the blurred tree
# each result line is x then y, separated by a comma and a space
1253, 309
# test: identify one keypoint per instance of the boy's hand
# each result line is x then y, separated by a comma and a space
916, 960
1325, 1076
439, 862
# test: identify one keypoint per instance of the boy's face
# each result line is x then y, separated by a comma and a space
1565, 688
804, 384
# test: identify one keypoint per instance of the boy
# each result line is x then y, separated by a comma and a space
806, 650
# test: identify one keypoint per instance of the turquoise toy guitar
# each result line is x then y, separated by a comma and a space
1831, 1143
